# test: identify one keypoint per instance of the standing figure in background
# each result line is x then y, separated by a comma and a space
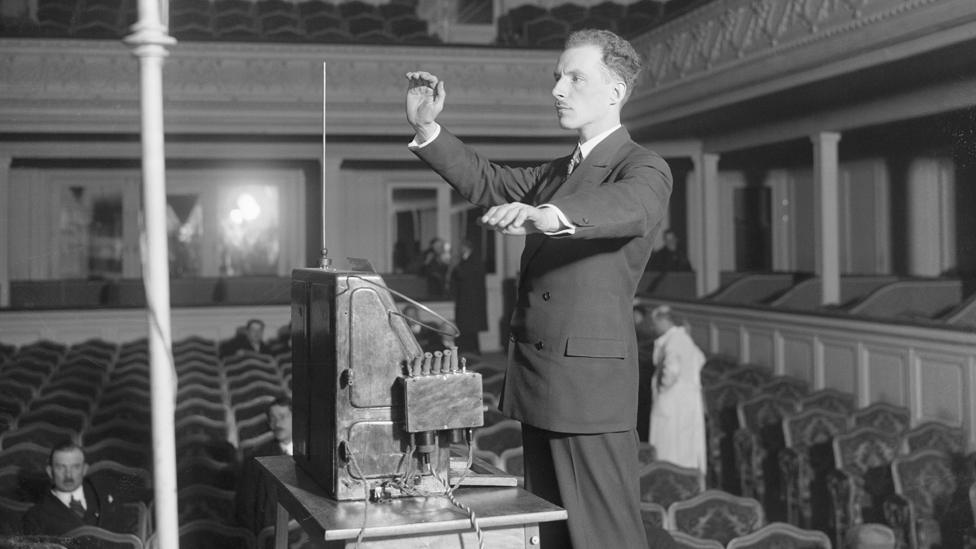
678, 412
669, 258
437, 261
248, 340
468, 287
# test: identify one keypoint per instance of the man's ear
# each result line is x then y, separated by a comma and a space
618, 92
50, 472
84, 470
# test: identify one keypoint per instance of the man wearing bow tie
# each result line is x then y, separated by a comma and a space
589, 219
73, 501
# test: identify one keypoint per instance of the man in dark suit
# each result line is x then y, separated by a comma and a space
590, 219
254, 504
73, 501
470, 309
248, 340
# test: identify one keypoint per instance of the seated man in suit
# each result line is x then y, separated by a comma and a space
250, 339
255, 505
589, 220
74, 501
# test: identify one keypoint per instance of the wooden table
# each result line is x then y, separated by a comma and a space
509, 517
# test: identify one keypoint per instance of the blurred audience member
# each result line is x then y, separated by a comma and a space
74, 501
678, 411
470, 308
250, 339
669, 257
255, 504
437, 261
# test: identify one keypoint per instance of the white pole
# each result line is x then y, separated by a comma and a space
149, 41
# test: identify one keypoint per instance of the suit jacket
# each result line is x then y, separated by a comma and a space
53, 518
254, 503
574, 359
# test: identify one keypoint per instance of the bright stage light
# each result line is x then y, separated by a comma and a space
248, 207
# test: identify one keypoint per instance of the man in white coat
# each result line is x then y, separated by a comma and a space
677, 428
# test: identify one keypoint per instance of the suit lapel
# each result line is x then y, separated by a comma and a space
590, 173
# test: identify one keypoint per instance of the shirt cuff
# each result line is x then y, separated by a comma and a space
414, 145
567, 228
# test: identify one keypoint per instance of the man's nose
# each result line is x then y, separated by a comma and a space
557, 90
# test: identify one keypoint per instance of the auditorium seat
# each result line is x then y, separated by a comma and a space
786, 387
205, 470
43, 434
240, 380
861, 479
255, 390
511, 25
64, 398
99, 19
200, 407
201, 427
257, 406
806, 461
93, 536
757, 445
122, 429
23, 482
716, 515
203, 392
830, 400
757, 376
55, 16
925, 484
11, 515
653, 515
128, 483
121, 451
354, 8
721, 404
688, 541
595, 22
253, 427
202, 502
24, 374
198, 378
546, 32
665, 483
130, 397
569, 12
609, 10
935, 435
202, 345
883, 416
214, 535
55, 414
781, 535
240, 364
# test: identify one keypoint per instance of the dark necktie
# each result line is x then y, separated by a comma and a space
77, 507
575, 161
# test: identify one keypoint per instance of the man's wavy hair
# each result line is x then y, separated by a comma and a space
619, 57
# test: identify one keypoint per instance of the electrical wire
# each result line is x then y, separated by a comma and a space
362, 480
455, 333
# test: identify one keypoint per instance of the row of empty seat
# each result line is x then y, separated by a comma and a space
351, 21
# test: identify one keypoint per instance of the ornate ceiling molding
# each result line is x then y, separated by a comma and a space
70, 86
734, 50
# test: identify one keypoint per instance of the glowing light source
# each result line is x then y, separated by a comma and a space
249, 207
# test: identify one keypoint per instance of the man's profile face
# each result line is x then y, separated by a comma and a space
67, 470
279, 420
584, 91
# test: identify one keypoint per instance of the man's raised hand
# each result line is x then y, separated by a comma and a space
425, 100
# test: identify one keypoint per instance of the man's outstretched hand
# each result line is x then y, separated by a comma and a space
425, 100
517, 219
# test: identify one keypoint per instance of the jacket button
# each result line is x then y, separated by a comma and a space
539, 345
546, 296
586, 220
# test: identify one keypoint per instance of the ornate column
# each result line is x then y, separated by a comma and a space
149, 40
827, 219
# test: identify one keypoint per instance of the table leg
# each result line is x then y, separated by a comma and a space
281, 528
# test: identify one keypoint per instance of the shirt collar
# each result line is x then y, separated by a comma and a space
592, 142
65, 497
288, 448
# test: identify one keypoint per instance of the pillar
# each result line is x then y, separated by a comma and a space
931, 217
704, 223
4, 231
827, 218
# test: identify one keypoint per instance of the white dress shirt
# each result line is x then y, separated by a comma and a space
567, 227
288, 448
66, 497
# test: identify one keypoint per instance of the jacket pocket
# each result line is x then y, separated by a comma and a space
596, 347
